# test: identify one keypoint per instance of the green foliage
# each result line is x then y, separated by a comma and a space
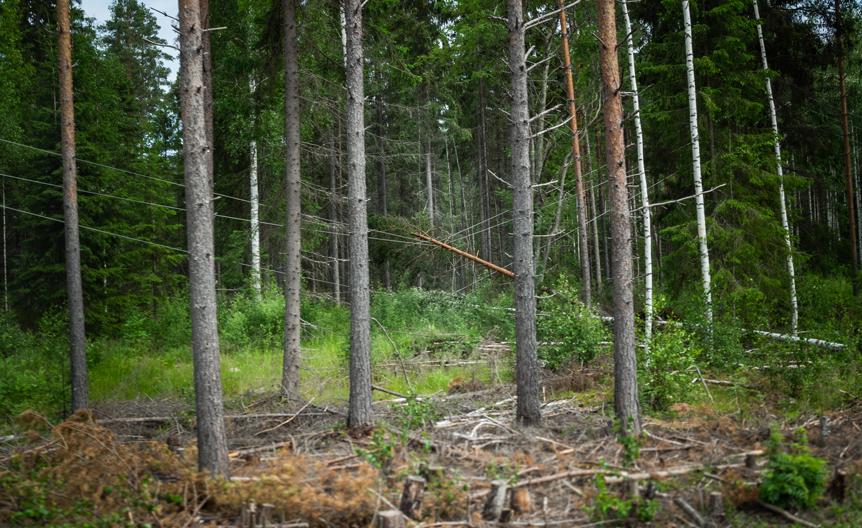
417, 413
666, 372
793, 477
610, 506
569, 329
380, 452
631, 448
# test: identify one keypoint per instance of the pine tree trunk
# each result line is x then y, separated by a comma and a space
645, 204
776, 138
526, 368
74, 285
695, 157
583, 243
255, 209
484, 188
845, 129
212, 442
293, 262
359, 412
333, 218
625, 360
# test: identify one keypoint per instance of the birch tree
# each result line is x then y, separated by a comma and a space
293, 264
527, 365
254, 207
583, 243
776, 139
360, 413
642, 178
625, 360
212, 442
74, 285
695, 160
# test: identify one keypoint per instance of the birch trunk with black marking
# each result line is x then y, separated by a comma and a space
293, 262
645, 204
695, 160
526, 362
254, 207
625, 360
74, 285
776, 138
583, 244
212, 441
359, 412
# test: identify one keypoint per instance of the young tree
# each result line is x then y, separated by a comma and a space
785, 224
293, 264
695, 160
576, 158
625, 360
359, 412
212, 442
254, 207
645, 205
74, 286
527, 366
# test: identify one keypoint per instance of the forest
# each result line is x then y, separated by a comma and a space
431, 263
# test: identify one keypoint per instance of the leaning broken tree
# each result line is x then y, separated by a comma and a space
212, 440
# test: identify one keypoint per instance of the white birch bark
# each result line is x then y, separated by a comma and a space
785, 224
255, 215
695, 160
647, 215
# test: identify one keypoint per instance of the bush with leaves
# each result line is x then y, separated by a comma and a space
665, 372
794, 477
568, 328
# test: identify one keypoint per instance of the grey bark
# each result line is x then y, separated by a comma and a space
333, 218
526, 367
293, 263
625, 360
74, 285
359, 412
212, 442
5, 276
595, 217
695, 160
484, 189
776, 138
429, 183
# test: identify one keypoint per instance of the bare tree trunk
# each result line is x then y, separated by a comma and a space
595, 219
695, 156
429, 183
858, 202
208, 95
776, 138
527, 366
74, 285
5, 271
484, 188
333, 219
359, 412
584, 250
845, 129
558, 213
254, 206
647, 215
293, 263
212, 442
625, 360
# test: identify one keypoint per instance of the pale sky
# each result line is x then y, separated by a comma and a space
99, 10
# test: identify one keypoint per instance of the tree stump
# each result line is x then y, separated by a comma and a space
411, 497
716, 504
389, 519
496, 501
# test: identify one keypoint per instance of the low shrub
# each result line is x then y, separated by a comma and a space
568, 329
794, 477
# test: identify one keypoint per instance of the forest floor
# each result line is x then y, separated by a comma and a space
131, 463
